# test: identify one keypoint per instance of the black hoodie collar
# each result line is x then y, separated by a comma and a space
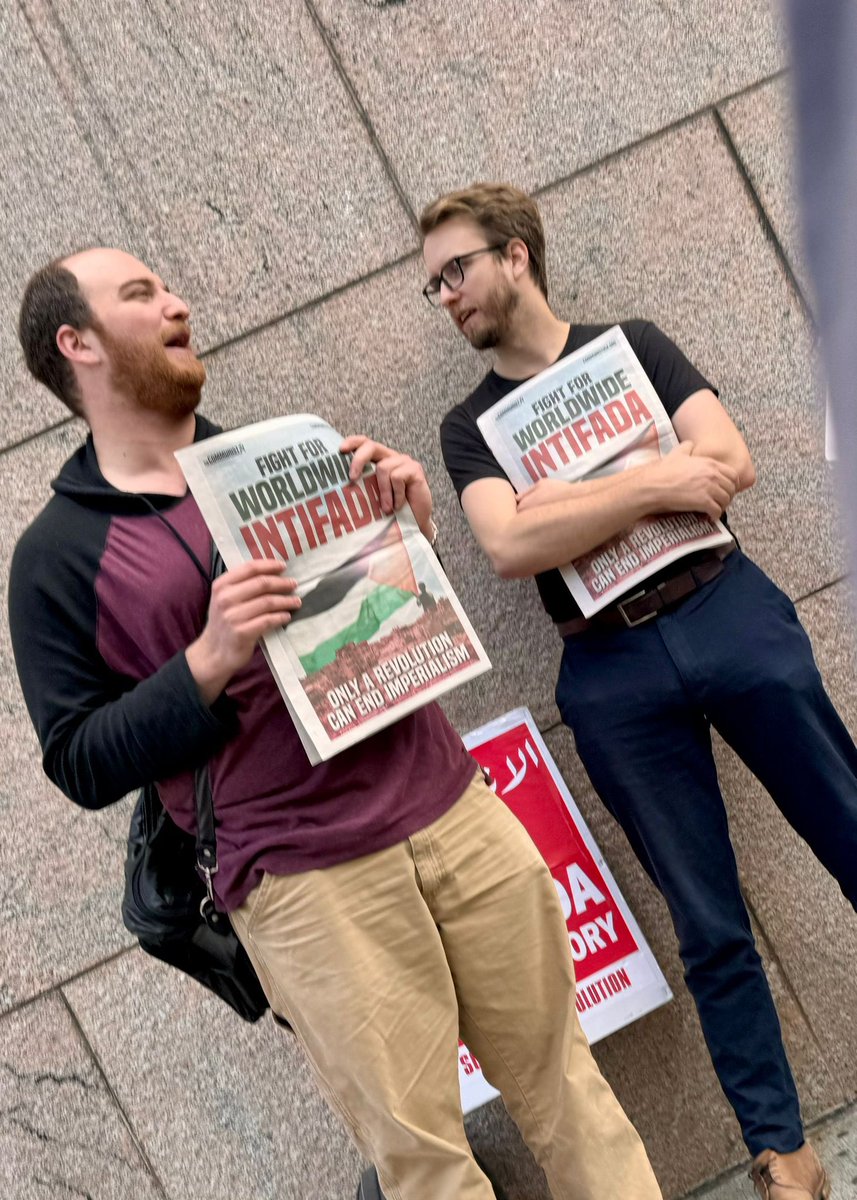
80, 479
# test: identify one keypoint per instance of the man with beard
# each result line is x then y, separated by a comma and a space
386, 898
708, 640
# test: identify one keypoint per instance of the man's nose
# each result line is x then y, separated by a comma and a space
176, 307
448, 294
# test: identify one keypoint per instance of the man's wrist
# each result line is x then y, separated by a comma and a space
209, 679
648, 492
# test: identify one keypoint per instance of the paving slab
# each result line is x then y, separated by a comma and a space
61, 1132
60, 866
235, 145
659, 1066
533, 92
760, 124
53, 198
224, 1109
835, 1142
667, 230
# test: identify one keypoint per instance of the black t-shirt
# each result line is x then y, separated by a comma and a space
468, 458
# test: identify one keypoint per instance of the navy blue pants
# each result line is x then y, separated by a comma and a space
640, 703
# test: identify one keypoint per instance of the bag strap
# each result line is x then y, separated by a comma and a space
206, 836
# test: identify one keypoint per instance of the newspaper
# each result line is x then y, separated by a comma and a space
380, 631
591, 415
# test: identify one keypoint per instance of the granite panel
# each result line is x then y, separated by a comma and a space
804, 914
496, 1140
659, 1066
533, 92
760, 125
667, 231
53, 198
224, 1109
61, 1132
234, 143
60, 867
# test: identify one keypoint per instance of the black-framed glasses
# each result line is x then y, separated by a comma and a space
453, 273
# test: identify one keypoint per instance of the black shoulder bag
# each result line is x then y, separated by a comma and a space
169, 908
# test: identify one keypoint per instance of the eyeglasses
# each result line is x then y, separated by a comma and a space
453, 273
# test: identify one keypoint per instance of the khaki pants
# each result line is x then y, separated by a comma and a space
378, 963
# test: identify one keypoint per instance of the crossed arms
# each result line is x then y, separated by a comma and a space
555, 522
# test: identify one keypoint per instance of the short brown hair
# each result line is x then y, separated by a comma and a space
53, 298
502, 212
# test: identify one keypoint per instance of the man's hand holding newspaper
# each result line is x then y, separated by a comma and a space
400, 478
329, 571
681, 481
247, 602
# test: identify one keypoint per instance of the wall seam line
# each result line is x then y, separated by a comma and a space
363, 115
655, 134
19, 1005
761, 212
90, 1049
86, 136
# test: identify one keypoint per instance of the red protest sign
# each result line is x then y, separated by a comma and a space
598, 934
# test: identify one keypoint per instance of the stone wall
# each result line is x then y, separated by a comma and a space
268, 160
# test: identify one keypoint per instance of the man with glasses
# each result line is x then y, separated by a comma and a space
710, 640
387, 898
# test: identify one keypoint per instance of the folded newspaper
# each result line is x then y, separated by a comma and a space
591, 415
380, 631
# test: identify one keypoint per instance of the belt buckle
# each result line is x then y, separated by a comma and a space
641, 620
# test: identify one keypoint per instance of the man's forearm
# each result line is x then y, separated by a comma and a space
703, 422
554, 533
733, 455
209, 673
154, 731
540, 531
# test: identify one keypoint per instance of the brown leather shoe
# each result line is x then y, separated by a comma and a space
795, 1176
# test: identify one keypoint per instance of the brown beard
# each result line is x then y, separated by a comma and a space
497, 311
146, 374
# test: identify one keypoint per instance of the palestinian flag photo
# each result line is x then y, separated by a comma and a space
360, 600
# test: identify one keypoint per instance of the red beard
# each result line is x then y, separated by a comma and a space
155, 378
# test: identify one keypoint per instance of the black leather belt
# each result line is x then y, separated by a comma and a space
646, 604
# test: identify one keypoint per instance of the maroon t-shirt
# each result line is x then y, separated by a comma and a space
275, 811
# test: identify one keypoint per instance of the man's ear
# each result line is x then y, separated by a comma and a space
78, 345
520, 256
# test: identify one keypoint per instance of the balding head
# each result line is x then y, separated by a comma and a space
99, 326
101, 271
